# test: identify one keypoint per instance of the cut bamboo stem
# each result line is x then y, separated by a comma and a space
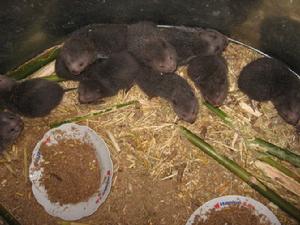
83, 117
285, 181
280, 153
221, 114
34, 64
268, 159
9, 218
242, 174
54, 77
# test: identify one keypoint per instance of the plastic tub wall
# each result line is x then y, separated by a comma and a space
30, 26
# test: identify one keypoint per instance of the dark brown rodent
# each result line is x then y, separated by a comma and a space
263, 79
87, 44
209, 73
106, 78
11, 127
173, 88
190, 42
150, 47
30, 98
268, 79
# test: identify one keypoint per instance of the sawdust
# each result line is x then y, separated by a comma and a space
232, 215
71, 171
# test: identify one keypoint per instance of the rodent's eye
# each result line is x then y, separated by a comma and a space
81, 64
175, 102
12, 130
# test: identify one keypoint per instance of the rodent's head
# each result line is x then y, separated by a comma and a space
288, 107
78, 53
6, 83
185, 105
215, 42
11, 127
215, 90
160, 56
89, 92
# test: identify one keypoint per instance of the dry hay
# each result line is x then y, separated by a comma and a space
146, 138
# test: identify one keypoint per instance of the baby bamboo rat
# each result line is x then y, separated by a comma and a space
31, 98
268, 79
150, 47
106, 78
263, 79
87, 44
173, 88
190, 42
11, 127
209, 73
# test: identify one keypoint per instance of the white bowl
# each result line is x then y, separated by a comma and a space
81, 209
225, 201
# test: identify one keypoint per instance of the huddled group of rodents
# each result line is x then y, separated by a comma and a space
108, 58
105, 59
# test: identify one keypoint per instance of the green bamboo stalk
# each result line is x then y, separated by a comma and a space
267, 158
242, 174
34, 64
54, 77
278, 177
9, 218
281, 153
80, 118
221, 114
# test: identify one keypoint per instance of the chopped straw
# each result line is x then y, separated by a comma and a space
80, 118
25, 166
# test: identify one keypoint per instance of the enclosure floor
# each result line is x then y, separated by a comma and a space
159, 177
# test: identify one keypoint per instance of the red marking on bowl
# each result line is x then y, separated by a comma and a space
47, 140
216, 206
